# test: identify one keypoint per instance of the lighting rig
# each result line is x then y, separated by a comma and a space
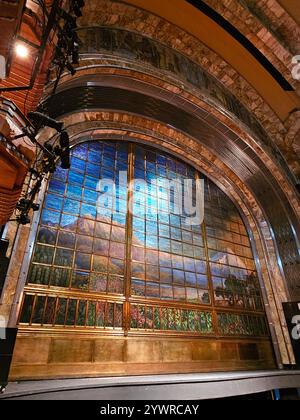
46, 161
67, 49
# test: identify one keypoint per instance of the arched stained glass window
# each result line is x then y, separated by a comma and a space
113, 252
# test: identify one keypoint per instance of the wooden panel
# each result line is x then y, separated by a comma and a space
204, 352
248, 351
109, 351
229, 351
141, 351
31, 351
62, 357
71, 351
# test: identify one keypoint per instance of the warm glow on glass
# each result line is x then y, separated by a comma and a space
21, 51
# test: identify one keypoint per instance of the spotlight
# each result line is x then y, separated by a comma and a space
21, 50
23, 219
35, 206
23, 204
41, 120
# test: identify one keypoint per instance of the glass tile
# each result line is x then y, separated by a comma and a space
82, 261
76, 178
50, 218
98, 282
57, 187
64, 257
60, 277
80, 280
100, 264
101, 247
47, 236
43, 254
74, 192
66, 240
84, 244
115, 284
71, 206
53, 202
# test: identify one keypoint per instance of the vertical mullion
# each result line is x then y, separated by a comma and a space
44, 311
130, 178
76, 312
33, 308
209, 276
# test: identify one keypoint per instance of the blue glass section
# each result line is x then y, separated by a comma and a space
95, 157
53, 202
60, 174
88, 211
71, 206
151, 241
161, 160
93, 170
191, 279
76, 178
119, 218
91, 183
74, 192
57, 187
108, 174
139, 224
77, 164
90, 196
108, 162
109, 149
96, 147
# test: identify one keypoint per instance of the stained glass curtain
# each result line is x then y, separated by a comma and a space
122, 259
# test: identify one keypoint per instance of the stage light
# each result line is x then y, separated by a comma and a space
35, 207
23, 219
41, 120
21, 50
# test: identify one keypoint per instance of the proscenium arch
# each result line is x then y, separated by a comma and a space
117, 126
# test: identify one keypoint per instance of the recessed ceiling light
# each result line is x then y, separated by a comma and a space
21, 50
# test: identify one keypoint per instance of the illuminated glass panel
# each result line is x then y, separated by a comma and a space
111, 232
